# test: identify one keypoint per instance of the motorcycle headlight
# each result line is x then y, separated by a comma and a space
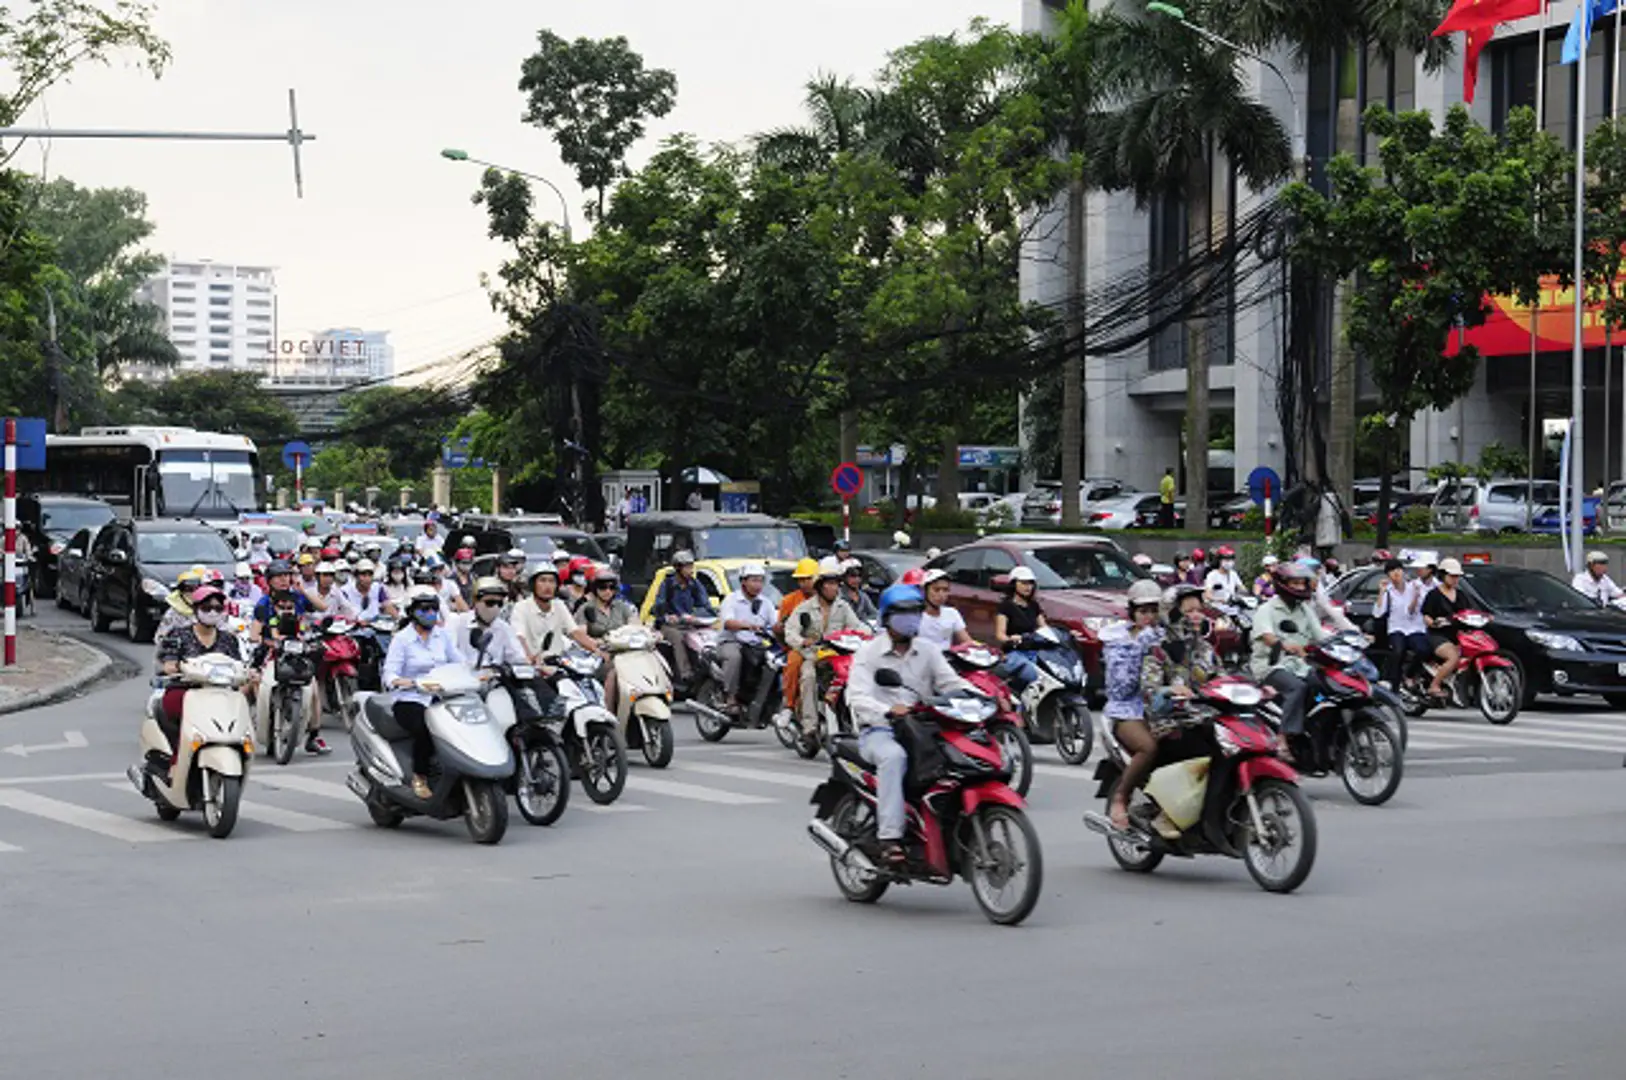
1227, 743
1062, 666
969, 709
1098, 623
637, 641
524, 671
467, 710
293, 648
1557, 642
154, 588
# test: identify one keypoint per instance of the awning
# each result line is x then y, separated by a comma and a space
699, 474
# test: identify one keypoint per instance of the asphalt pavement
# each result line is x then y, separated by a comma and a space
1467, 929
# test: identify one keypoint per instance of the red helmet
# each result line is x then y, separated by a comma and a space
330, 553
1224, 552
1197, 555
464, 554
916, 576
581, 564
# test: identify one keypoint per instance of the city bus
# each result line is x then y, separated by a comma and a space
155, 471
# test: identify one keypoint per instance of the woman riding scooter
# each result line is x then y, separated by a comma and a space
200, 636
421, 646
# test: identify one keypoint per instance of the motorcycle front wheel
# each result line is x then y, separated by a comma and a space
1005, 865
1281, 858
604, 764
1371, 762
220, 798
1075, 735
285, 725
1499, 694
486, 812
657, 743
543, 788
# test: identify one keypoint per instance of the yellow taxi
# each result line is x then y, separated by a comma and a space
721, 577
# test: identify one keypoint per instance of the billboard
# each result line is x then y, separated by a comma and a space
1507, 331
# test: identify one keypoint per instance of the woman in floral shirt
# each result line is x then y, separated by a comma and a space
1124, 649
1181, 661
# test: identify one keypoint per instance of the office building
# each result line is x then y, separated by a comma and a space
218, 315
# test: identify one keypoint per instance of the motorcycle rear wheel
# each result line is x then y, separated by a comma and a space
166, 812
1135, 858
852, 820
710, 727
385, 817
1290, 822
1075, 735
543, 800
1006, 870
1372, 762
1499, 694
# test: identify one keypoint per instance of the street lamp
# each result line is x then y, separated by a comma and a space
1156, 7
451, 154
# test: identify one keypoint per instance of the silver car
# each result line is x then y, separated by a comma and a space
1488, 506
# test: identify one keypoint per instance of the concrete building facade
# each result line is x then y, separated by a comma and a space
218, 315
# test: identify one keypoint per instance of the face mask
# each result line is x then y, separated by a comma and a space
211, 618
425, 616
397, 577
1227, 564
905, 625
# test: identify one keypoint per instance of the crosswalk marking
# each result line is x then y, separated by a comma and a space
1538, 741
97, 821
309, 785
1069, 772
1410, 761
761, 776
4, 848
292, 820
617, 807
692, 791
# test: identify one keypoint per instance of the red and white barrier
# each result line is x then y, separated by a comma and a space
11, 542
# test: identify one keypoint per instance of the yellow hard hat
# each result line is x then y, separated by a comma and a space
805, 569
306, 559
192, 575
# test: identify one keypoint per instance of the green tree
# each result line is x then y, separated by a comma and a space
405, 423
43, 41
25, 271
352, 469
229, 401
594, 97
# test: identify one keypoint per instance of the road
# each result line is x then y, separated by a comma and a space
1468, 929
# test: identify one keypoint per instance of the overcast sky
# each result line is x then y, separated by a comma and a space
385, 237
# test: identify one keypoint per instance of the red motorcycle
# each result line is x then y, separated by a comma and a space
1486, 677
1251, 806
975, 663
963, 819
338, 667
834, 660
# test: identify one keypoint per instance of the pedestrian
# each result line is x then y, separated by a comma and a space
694, 500
1165, 502
626, 507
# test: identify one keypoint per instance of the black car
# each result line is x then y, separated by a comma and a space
537, 536
1564, 643
819, 537
49, 520
134, 565
73, 577
1228, 511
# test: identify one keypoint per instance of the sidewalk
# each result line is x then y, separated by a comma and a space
49, 667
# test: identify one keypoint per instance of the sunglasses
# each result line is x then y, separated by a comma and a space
489, 603
601, 586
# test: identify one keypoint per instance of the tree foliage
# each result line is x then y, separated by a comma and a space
229, 401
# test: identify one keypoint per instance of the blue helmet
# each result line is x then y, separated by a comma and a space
898, 598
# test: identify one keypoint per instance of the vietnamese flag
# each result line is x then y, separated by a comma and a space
1477, 19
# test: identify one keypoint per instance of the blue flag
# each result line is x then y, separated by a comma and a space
1586, 13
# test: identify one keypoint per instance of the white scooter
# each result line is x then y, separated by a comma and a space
471, 750
541, 782
213, 749
598, 753
1054, 703
644, 692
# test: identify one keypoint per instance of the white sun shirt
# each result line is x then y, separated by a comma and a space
940, 629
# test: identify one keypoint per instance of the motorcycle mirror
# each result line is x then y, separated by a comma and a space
1288, 626
888, 678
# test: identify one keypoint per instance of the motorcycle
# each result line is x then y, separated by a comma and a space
833, 661
975, 664
1054, 702
1236, 616
963, 819
474, 761
288, 695
373, 641
1346, 730
644, 692
209, 763
541, 782
1248, 804
1486, 677
592, 738
761, 677
338, 667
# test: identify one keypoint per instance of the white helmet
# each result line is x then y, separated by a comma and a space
829, 567
752, 570
326, 568
242, 570
932, 575
849, 565
1023, 573
366, 566
422, 594
561, 555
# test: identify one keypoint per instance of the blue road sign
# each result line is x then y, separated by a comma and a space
1257, 481
847, 479
296, 454
454, 454
30, 444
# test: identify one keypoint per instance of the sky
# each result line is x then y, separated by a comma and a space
386, 237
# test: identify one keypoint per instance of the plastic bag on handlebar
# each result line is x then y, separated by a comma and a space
919, 738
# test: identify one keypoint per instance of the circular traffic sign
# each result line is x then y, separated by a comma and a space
1263, 480
847, 479
295, 454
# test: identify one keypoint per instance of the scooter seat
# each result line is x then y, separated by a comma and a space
380, 709
846, 747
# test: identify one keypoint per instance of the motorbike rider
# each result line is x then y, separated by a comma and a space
925, 673
307, 571
1019, 615
825, 613
1594, 582
413, 655
1123, 651
1223, 585
745, 614
463, 576
543, 621
940, 625
1199, 567
259, 550
1440, 606
509, 564
573, 589
852, 590
326, 597
604, 610
806, 575
1262, 585
1425, 565
1325, 610
681, 596
368, 598
1400, 602
431, 542
178, 610
499, 644
279, 582
244, 595
201, 635
1278, 652
1182, 566
396, 583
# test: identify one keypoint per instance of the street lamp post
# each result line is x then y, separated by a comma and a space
452, 154
1300, 162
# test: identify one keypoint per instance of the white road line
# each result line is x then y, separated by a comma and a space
782, 756
1070, 772
1605, 727
1410, 761
309, 785
292, 820
5, 848
62, 778
96, 821
761, 776
1535, 736
1501, 739
616, 807
692, 791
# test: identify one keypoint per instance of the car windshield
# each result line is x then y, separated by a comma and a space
1526, 590
277, 538
204, 481
61, 520
182, 547
751, 542
1064, 567
541, 545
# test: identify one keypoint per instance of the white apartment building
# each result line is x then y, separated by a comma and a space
218, 315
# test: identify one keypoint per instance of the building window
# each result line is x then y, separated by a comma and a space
259, 303
220, 358
1167, 348
184, 284
216, 286
219, 343
259, 288
258, 318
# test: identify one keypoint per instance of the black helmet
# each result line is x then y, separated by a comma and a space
278, 566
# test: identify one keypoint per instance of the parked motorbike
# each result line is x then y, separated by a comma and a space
643, 705
1054, 703
338, 668
288, 695
211, 755
1486, 677
1245, 803
1346, 730
541, 782
598, 753
473, 759
975, 664
963, 819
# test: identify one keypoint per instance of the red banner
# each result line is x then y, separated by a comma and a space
1507, 331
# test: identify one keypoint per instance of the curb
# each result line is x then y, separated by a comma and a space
100, 663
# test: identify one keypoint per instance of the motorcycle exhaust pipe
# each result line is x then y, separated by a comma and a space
838, 848
708, 712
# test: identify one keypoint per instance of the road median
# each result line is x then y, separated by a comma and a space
50, 667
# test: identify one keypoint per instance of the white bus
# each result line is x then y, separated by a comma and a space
154, 471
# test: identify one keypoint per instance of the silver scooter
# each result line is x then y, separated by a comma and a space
598, 753
474, 758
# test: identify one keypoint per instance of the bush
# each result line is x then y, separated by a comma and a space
1254, 520
1416, 519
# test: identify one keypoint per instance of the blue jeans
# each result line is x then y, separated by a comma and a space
891, 762
1019, 669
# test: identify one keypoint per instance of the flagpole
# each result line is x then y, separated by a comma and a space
1535, 312
1577, 403
1609, 330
